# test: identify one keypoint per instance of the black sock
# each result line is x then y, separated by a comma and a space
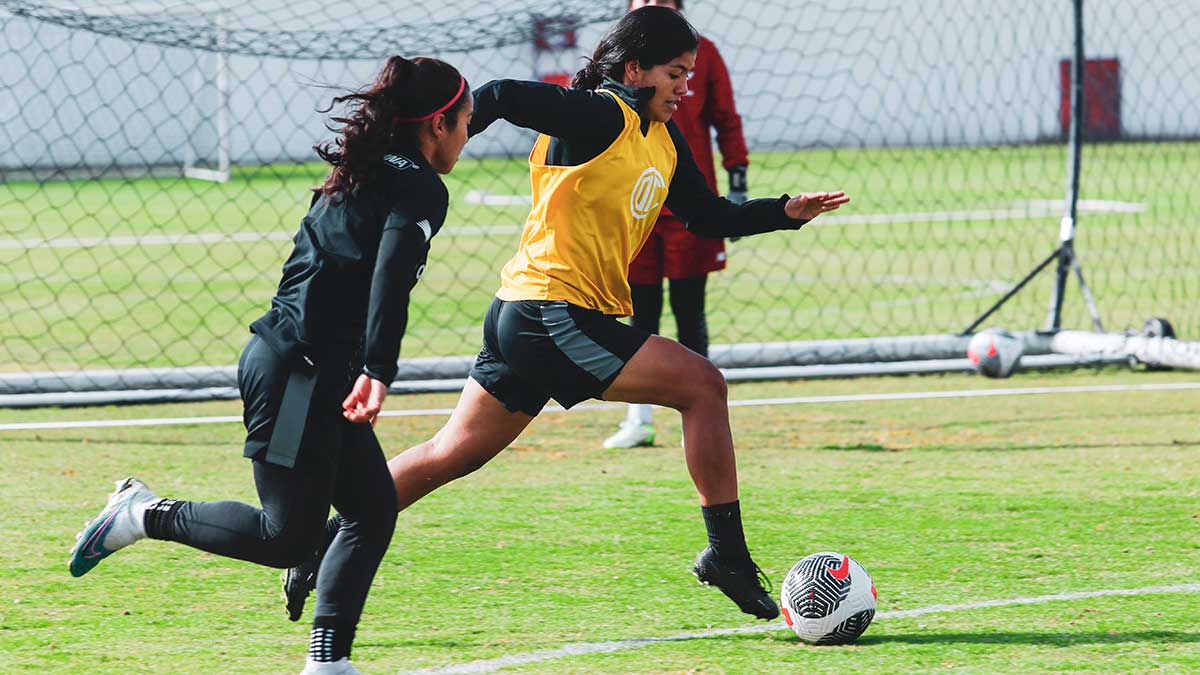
330, 640
724, 524
159, 518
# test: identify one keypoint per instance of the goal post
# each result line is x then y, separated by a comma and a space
206, 149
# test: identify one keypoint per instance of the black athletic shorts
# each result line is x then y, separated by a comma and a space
535, 350
322, 431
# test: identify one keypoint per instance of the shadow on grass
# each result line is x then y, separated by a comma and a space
232, 442
1059, 639
1081, 446
864, 447
1040, 419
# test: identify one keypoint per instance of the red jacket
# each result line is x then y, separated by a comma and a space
709, 104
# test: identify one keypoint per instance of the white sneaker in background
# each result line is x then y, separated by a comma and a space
631, 435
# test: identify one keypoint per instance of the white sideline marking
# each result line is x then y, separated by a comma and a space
1035, 208
582, 648
1029, 209
793, 400
145, 240
492, 199
967, 393
211, 238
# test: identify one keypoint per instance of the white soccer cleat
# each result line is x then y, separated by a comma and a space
118, 525
340, 667
631, 435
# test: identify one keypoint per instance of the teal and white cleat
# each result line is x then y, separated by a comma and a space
117, 526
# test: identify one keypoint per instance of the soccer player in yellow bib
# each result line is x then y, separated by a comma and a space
607, 160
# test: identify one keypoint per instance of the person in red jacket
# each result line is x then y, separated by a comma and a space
672, 251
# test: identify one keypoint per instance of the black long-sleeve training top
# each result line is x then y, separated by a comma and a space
346, 284
583, 123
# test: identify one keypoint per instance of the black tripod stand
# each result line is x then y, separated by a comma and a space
1065, 253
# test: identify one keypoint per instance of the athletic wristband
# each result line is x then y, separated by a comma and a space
737, 179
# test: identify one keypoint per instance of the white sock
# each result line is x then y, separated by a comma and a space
137, 511
639, 413
132, 527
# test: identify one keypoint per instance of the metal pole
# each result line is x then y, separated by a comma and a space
1066, 233
969, 330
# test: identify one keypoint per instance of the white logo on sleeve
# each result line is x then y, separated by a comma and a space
425, 228
400, 162
645, 197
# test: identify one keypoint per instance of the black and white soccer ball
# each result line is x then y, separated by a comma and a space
995, 352
828, 599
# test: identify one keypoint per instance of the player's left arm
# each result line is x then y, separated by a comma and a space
721, 112
708, 215
403, 247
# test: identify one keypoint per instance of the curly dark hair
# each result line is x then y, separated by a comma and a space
378, 117
650, 35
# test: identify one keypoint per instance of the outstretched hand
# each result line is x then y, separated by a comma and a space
812, 204
365, 400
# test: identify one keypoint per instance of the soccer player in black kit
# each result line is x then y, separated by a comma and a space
315, 372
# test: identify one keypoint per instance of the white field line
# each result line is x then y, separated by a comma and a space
742, 403
583, 648
1030, 209
1038, 208
968, 393
209, 238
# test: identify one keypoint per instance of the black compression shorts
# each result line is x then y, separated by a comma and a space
535, 350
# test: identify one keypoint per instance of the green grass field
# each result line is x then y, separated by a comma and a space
945, 501
123, 304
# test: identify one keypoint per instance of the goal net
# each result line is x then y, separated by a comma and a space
159, 153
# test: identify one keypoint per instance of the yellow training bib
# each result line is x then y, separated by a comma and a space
589, 221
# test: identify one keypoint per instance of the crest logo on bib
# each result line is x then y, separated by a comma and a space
645, 196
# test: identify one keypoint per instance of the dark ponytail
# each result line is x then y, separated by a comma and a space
588, 77
650, 35
387, 113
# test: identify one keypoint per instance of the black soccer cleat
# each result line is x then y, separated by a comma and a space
742, 583
298, 582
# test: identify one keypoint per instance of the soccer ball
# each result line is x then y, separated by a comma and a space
995, 352
828, 599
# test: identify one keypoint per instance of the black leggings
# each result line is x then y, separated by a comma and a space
291, 525
687, 304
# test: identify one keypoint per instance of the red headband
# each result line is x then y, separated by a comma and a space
462, 84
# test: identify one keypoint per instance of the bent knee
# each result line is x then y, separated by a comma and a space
376, 526
290, 549
709, 382
702, 384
